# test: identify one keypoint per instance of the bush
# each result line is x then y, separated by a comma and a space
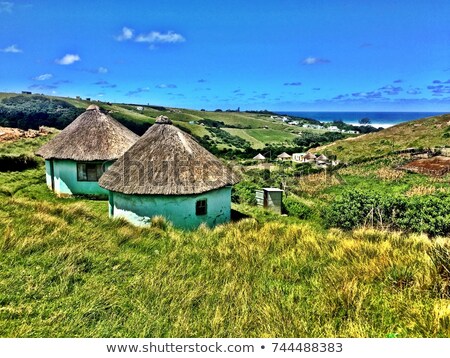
428, 213
294, 207
27, 112
244, 193
15, 163
421, 214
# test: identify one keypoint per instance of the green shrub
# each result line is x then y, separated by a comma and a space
422, 214
429, 214
244, 193
14, 163
33, 111
294, 207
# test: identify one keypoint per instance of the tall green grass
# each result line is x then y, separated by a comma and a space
67, 270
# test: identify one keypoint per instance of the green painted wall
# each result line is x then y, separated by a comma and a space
66, 182
179, 209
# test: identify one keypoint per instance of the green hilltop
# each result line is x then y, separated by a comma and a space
223, 132
430, 132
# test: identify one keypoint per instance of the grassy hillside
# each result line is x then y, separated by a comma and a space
257, 129
68, 270
426, 132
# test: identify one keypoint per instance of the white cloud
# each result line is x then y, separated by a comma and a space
6, 6
314, 60
45, 76
127, 34
68, 59
158, 37
102, 70
11, 49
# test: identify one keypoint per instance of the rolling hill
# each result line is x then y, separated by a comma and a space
423, 133
222, 132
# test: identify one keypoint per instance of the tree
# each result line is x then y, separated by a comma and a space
365, 121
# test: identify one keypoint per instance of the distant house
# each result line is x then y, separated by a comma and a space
309, 157
298, 157
259, 157
139, 108
78, 97
77, 157
284, 156
322, 158
333, 129
169, 174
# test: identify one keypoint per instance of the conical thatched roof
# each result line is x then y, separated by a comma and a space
91, 136
322, 158
309, 156
259, 157
167, 161
284, 155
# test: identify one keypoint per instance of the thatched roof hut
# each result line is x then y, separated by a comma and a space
166, 172
91, 136
309, 156
284, 156
259, 157
77, 157
322, 158
175, 164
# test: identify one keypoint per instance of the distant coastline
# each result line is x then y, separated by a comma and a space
378, 119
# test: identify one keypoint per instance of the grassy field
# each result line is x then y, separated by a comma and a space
67, 270
427, 132
259, 137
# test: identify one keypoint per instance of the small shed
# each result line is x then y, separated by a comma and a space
259, 157
270, 198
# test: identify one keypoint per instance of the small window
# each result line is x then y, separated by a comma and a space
89, 171
201, 207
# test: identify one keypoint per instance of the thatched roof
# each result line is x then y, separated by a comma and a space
259, 157
167, 161
284, 155
322, 158
91, 136
309, 156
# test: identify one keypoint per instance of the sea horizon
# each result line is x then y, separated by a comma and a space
377, 118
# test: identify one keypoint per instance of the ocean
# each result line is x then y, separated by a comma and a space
378, 119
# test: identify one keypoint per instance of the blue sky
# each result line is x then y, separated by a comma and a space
305, 55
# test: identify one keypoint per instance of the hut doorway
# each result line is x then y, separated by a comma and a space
52, 174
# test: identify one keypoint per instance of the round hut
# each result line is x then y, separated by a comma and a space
259, 157
77, 157
166, 172
322, 158
309, 157
284, 156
